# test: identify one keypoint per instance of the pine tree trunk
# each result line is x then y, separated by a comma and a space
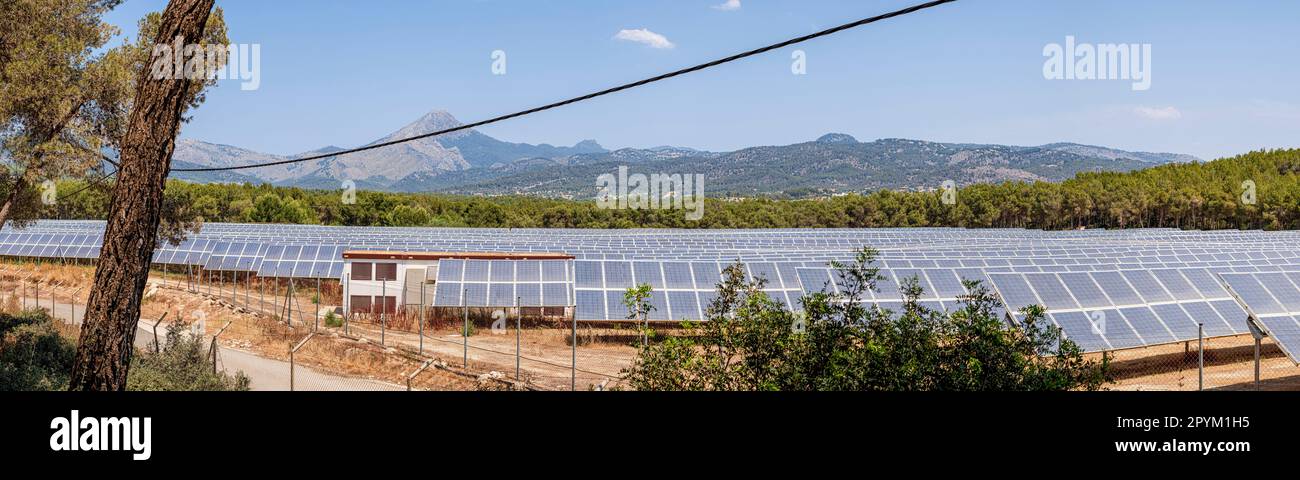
10, 199
104, 353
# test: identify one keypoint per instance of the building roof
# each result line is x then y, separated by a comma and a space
394, 255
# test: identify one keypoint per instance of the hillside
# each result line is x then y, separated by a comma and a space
469, 162
1195, 195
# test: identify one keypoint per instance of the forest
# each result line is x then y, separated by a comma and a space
1256, 190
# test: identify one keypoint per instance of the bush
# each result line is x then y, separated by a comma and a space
33, 354
184, 364
332, 320
751, 342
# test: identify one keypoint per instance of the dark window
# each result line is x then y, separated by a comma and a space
386, 271
360, 271
360, 304
385, 305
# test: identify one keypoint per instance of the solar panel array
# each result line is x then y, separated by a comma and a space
503, 283
680, 290
1108, 310
1274, 300
1148, 286
941, 288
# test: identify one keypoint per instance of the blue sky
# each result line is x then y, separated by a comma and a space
1224, 74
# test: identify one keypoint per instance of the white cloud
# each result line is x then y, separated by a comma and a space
643, 36
1157, 113
729, 5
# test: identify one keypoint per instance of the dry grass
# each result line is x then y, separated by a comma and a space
1229, 365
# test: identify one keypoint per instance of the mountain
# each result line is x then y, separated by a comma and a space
380, 168
1113, 154
832, 164
472, 163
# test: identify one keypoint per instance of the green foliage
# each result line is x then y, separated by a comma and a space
1193, 195
636, 300
332, 320
408, 216
750, 342
66, 91
270, 208
33, 355
183, 364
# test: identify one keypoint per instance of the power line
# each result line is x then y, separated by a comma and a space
627, 86
91, 183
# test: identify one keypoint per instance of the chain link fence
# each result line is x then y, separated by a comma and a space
509, 348
1221, 363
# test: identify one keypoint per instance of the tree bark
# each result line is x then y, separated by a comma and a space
104, 353
11, 198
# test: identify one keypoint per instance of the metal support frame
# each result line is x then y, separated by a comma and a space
1259, 334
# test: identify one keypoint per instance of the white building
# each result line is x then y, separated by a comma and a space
383, 282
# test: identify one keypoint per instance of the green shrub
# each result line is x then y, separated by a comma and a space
33, 354
184, 364
751, 342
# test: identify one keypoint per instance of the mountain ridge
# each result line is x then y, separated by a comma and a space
472, 163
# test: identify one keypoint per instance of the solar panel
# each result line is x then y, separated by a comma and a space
1273, 299
502, 283
1152, 285
1164, 306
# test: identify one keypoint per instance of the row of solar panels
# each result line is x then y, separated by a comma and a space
1273, 300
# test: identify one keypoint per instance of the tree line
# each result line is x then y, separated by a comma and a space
1256, 190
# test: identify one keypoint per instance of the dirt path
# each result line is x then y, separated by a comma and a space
265, 374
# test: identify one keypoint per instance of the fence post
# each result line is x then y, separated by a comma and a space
1200, 353
519, 315
417, 371
291, 362
214, 344
347, 301
421, 319
573, 374
156, 347
464, 332
288, 303
319, 297
383, 311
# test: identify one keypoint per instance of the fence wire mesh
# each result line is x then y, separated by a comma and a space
379, 353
